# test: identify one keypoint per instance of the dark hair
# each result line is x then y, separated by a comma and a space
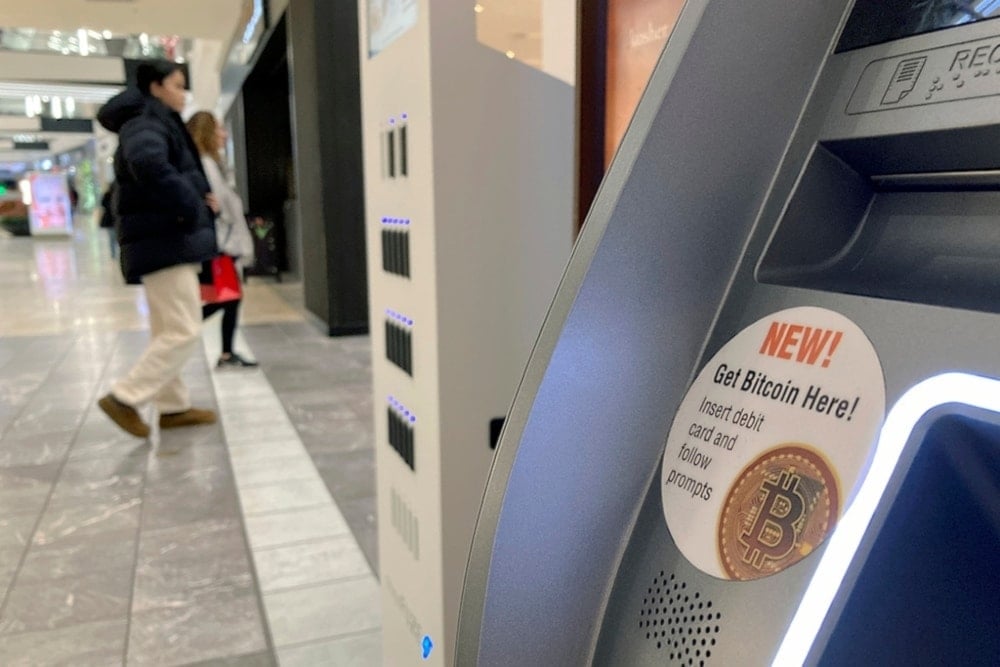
154, 71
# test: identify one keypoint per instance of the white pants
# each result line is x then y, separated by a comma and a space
174, 300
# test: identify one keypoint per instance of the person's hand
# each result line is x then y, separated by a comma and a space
213, 202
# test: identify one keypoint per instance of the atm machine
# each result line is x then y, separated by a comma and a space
761, 423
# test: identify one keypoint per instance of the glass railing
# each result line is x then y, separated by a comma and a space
53, 100
87, 42
48, 106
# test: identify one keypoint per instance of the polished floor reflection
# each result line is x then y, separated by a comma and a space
59, 285
250, 542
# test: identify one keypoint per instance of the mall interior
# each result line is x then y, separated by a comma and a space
626, 332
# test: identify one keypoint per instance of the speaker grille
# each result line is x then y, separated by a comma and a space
681, 622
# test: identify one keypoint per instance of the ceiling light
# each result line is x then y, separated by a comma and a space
106, 34
24, 185
510, 54
36, 105
255, 19
478, 8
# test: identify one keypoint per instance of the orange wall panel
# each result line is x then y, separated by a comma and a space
637, 31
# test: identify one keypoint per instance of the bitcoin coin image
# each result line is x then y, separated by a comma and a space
780, 508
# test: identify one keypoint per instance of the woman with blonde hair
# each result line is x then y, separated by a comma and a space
232, 233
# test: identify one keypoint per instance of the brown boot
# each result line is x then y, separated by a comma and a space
124, 415
190, 417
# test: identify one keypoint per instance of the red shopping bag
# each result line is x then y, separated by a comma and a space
225, 282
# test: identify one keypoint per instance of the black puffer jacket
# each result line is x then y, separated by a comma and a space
163, 220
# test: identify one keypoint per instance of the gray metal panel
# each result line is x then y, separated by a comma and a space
664, 275
914, 341
640, 293
704, 619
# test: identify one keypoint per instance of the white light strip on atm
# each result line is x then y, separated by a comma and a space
962, 388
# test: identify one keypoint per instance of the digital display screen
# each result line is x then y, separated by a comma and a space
927, 592
387, 20
878, 21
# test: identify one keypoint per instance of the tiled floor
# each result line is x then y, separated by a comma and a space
202, 546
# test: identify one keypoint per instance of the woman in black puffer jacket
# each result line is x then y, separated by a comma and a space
165, 212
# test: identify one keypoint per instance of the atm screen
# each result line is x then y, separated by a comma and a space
927, 593
877, 21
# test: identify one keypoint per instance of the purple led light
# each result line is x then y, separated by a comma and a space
405, 116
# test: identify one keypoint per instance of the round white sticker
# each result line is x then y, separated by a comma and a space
771, 438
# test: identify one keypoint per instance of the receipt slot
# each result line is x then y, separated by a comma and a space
761, 423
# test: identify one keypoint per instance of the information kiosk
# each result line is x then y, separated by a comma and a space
761, 424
